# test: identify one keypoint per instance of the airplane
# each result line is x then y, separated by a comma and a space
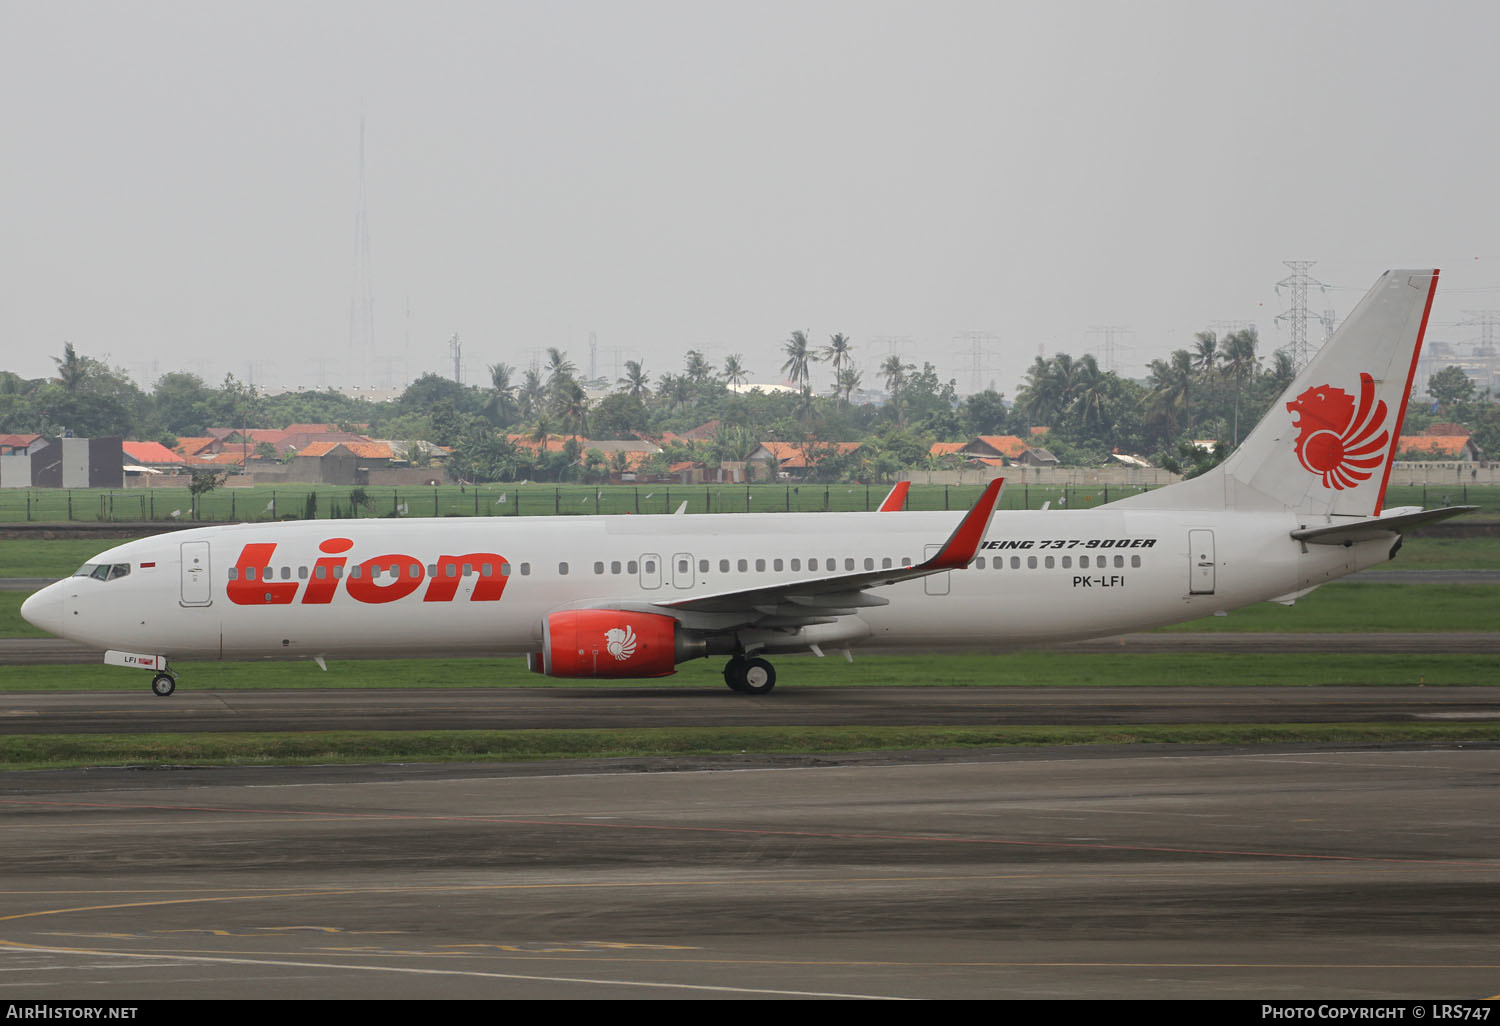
1298, 504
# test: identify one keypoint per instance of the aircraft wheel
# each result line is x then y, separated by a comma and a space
759, 677
163, 684
734, 673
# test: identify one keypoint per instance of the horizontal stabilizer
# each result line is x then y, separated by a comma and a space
1347, 534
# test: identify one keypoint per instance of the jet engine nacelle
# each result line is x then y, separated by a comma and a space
608, 643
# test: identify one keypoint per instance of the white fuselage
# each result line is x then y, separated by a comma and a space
1038, 577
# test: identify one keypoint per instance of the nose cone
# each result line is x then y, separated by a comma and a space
45, 609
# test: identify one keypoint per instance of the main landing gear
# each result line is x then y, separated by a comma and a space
163, 684
750, 676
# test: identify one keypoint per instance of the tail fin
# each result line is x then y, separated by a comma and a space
1326, 446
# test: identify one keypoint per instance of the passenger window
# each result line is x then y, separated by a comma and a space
796, 564
234, 573
723, 566
1067, 562
525, 569
614, 566
1135, 561
1031, 562
598, 568
682, 566
775, 564
504, 569
562, 569
1119, 561
1015, 562
906, 561
885, 564
979, 563
869, 563
302, 573
703, 566
1083, 562
744, 565
760, 566
1050, 562
631, 566
486, 569
432, 570
650, 566
320, 571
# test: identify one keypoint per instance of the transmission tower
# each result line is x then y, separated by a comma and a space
1298, 282
456, 351
1112, 334
978, 347
362, 303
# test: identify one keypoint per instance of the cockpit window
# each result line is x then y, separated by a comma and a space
103, 571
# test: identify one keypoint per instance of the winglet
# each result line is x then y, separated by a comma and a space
963, 543
896, 500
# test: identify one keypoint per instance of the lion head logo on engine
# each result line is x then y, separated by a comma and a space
1336, 440
620, 642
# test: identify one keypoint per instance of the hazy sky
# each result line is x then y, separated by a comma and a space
180, 180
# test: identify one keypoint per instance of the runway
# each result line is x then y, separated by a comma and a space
1295, 873
121, 712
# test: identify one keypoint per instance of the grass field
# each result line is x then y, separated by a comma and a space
953, 669
264, 502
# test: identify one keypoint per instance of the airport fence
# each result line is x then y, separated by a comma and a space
266, 503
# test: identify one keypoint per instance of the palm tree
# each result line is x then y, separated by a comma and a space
698, 370
1171, 390
636, 381
1205, 355
533, 393
1090, 395
894, 372
838, 352
734, 370
850, 378
799, 359
499, 406
1240, 362
573, 407
1037, 399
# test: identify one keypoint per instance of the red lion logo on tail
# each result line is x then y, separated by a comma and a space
1336, 440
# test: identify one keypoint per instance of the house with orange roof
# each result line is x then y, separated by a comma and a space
153, 455
1446, 448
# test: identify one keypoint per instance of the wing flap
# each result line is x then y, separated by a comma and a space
1373, 527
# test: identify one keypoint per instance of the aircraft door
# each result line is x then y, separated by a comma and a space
682, 569
1200, 563
650, 570
197, 585
936, 584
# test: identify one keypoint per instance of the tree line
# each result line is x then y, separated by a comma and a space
1215, 389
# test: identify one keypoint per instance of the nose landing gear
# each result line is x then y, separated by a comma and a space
163, 684
750, 676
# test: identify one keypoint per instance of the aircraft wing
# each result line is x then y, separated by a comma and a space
824, 599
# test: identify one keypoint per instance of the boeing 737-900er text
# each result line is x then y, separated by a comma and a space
1299, 504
